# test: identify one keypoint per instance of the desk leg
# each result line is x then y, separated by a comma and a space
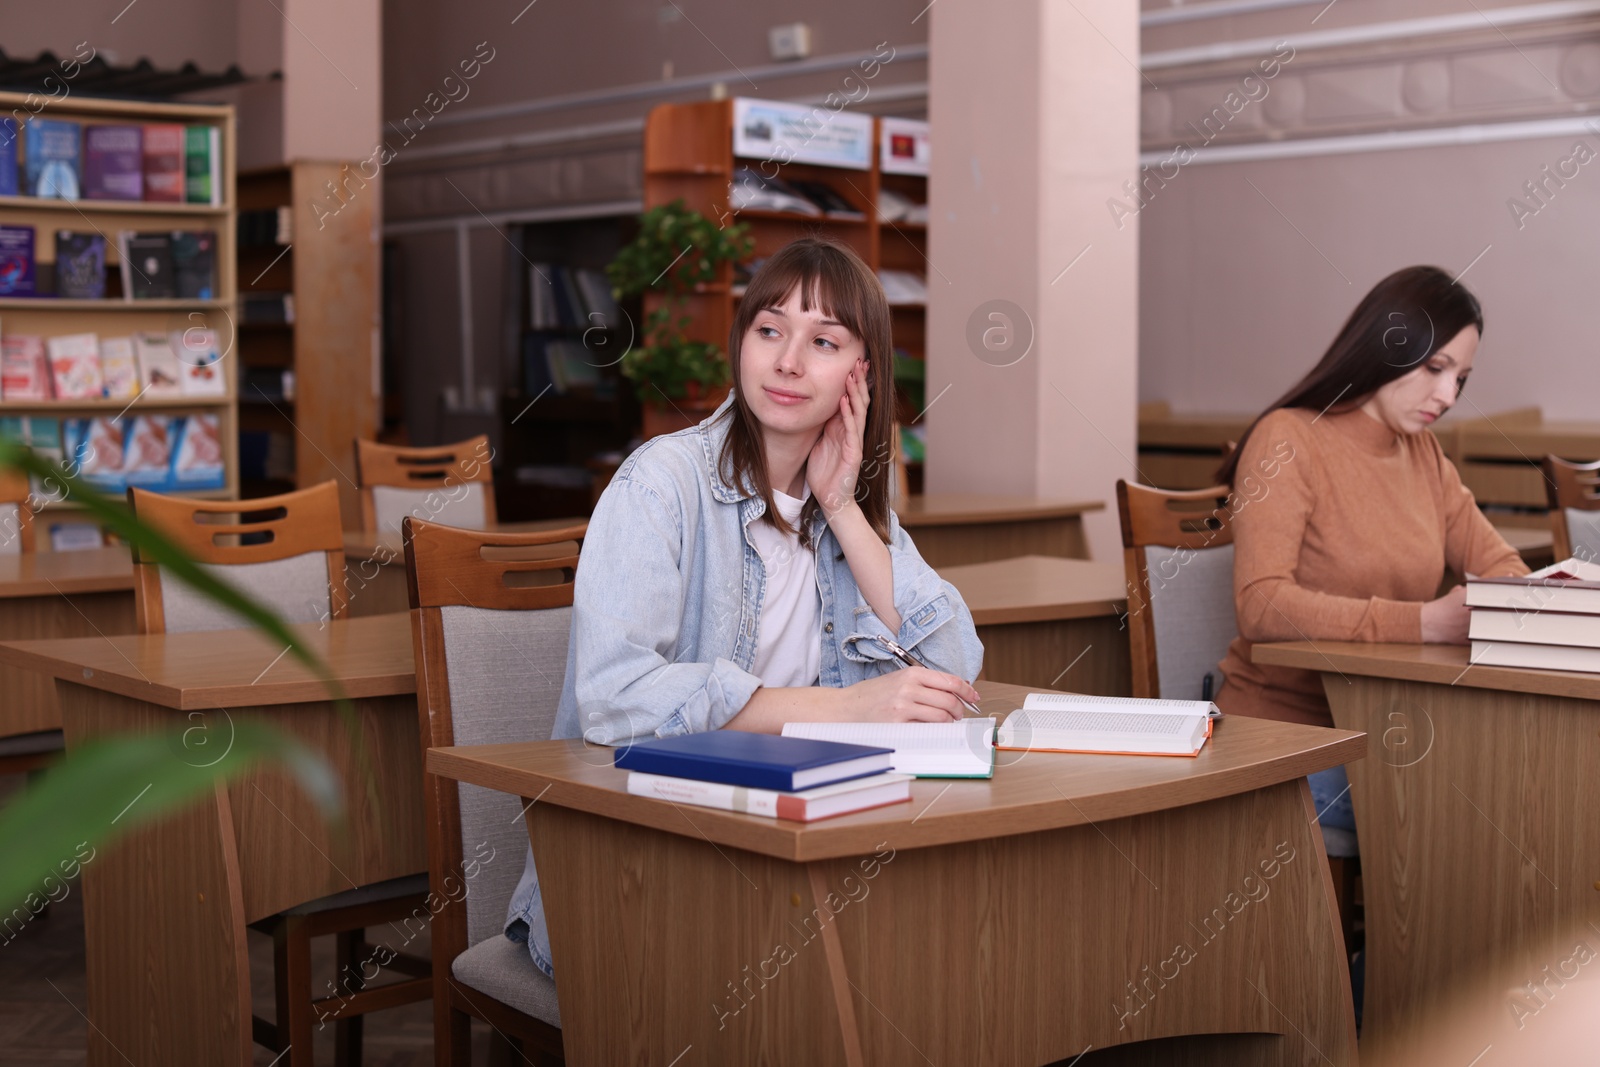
1018, 950
1479, 843
163, 921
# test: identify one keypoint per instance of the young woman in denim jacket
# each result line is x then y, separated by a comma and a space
734, 574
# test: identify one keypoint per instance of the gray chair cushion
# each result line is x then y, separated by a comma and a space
10, 529
505, 670
1340, 844
1583, 529
1191, 604
296, 588
461, 504
503, 969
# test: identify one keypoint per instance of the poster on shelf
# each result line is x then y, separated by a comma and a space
798, 133
903, 148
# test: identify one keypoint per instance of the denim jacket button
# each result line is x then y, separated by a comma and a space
828, 629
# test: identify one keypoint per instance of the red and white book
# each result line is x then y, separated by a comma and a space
24, 370
119, 368
823, 802
75, 366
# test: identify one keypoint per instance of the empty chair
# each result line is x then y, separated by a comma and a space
452, 484
16, 517
490, 619
1574, 493
287, 552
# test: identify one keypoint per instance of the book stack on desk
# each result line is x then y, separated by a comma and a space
1548, 620
759, 774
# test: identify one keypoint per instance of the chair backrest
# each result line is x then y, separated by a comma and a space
491, 615
16, 517
1178, 554
286, 551
1574, 492
452, 484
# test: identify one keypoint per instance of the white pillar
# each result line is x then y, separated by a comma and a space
1033, 299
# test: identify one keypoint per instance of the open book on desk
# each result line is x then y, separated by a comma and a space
1124, 726
963, 749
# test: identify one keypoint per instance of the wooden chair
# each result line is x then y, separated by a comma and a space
16, 516
1178, 555
1574, 492
490, 619
288, 552
450, 484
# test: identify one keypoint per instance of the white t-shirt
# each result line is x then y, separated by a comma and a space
789, 644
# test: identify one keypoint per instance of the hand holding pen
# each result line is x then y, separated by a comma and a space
907, 659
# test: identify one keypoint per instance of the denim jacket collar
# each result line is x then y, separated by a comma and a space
713, 432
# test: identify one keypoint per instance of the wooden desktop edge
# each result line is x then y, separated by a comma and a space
917, 825
1436, 664
1015, 510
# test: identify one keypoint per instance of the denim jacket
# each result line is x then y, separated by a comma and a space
667, 606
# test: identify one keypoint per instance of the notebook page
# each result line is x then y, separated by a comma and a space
1148, 723
926, 748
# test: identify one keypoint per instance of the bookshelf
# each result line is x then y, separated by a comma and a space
689, 154
113, 316
328, 262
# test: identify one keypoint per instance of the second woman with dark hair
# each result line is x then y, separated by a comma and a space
1355, 511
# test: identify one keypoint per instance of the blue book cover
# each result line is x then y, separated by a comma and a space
755, 761
8, 157
51, 148
16, 261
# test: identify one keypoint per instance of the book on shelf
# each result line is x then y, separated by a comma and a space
160, 374
903, 287
17, 277
266, 307
80, 265
194, 264
199, 362
119, 368
113, 163
24, 368
810, 805
75, 537
147, 452
963, 749
202, 164
8, 157
96, 445
826, 197
571, 365
51, 150
197, 453
163, 162
147, 268
75, 366
272, 226
43, 435
1572, 585
755, 761
1127, 726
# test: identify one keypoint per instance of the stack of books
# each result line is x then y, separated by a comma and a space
1549, 620
125, 161
760, 774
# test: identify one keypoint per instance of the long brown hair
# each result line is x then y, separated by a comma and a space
1399, 324
830, 276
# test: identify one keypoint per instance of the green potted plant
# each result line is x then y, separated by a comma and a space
677, 256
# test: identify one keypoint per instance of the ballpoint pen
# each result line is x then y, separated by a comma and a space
905, 657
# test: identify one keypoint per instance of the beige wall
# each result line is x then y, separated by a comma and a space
1250, 266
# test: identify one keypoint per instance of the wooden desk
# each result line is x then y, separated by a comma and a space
1048, 622
1498, 453
999, 921
1536, 544
1179, 451
950, 529
1478, 837
57, 594
375, 565
166, 907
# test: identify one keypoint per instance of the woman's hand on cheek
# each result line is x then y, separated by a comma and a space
835, 461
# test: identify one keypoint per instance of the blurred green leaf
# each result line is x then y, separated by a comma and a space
111, 785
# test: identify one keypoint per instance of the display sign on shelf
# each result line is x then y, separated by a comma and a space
798, 133
904, 147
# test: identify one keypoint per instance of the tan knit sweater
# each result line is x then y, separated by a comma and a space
1342, 539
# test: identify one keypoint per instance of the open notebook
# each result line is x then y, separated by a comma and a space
1061, 722
962, 749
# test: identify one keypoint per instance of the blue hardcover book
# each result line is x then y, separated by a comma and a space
756, 761
8, 157
52, 158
